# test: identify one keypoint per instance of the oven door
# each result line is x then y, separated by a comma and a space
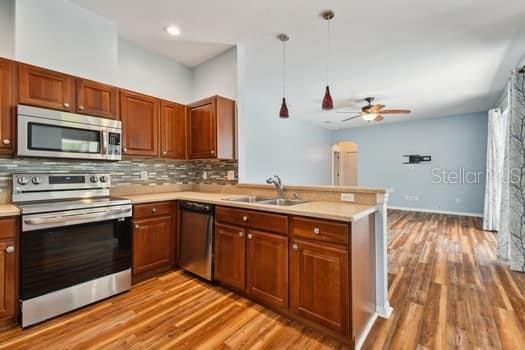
40, 137
56, 258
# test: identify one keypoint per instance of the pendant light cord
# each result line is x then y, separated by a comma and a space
284, 69
329, 54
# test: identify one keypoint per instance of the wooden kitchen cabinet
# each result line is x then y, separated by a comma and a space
230, 256
267, 268
45, 88
7, 106
172, 130
8, 270
211, 128
319, 284
140, 124
97, 99
154, 237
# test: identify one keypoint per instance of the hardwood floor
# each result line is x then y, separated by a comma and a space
445, 286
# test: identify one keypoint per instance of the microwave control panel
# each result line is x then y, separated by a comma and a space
114, 144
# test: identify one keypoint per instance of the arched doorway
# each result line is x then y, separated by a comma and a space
344, 163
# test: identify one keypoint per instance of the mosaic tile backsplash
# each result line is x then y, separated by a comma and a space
125, 172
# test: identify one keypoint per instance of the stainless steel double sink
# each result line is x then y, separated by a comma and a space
264, 200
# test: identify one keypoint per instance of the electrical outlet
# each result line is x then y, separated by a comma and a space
143, 175
412, 198
348, 197
230, 175
204, 175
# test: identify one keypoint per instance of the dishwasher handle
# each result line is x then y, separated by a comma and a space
207, 209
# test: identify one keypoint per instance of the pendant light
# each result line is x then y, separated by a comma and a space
328, 103
283, 113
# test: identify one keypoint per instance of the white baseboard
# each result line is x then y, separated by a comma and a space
362, 337
458, 213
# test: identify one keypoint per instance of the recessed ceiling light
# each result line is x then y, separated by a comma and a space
172, 30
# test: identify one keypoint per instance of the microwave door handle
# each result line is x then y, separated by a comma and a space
105, 141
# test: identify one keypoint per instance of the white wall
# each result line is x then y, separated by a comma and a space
7, 28
293, 148
150, 73
60, 35
217, 76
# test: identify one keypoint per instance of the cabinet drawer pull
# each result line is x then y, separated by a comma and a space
154, 210
317, 230
250, 236
295, 247
125, 149
66, 104
244, 218
10, 249
6, 141
136, 225
241, 234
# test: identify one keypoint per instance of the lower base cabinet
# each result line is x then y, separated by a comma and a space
8, 271
230, 256
154, 239
319, 284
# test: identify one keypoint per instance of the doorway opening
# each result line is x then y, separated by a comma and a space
345, 156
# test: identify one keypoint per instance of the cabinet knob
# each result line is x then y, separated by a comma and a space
317, 230
250, 236
212, 151
136, 225
81, 108
241, 234
164, 152
6, 141
125, 150
295, 247
10, 249
244, 218
154, 210
66, 104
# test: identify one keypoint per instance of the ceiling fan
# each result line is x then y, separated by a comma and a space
374, 111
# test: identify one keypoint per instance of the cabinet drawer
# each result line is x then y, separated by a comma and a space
253, 219
322, 230
152, 209
7, 228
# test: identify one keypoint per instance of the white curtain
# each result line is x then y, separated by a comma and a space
495, 159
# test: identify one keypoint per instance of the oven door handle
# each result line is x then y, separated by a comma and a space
76, 217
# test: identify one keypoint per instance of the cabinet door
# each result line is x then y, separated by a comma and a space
152, 244
97, 99
267, 268
230, 256
7, 278
7, 110
202, 130
172, 130
140, 124
44, 88
319, 284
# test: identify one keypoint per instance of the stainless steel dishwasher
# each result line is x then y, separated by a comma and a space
196, 238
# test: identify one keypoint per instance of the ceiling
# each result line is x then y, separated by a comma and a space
437, 58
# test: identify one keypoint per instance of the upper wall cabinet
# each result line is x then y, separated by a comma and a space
140, 123
172, 130
7, 109
44, 88
211, 128
97, 99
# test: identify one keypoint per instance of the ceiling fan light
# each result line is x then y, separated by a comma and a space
369, 116
283, 113
328, 102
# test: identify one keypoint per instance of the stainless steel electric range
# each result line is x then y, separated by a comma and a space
75, 243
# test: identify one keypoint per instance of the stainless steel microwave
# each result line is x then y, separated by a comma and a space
49, 133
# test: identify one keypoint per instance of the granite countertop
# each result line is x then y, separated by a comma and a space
319, 209
8, 210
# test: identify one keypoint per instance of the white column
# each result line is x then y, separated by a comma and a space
383, 307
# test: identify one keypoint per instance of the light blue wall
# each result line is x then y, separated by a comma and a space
453, 142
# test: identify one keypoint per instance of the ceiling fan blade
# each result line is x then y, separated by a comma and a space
379, 118
376, 108
396, 111
354, 117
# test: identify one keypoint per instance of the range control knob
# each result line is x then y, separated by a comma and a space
93, 179
36, 180
103, 178
23, 180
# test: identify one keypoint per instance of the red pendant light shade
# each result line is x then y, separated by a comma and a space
328, 103
283, 113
